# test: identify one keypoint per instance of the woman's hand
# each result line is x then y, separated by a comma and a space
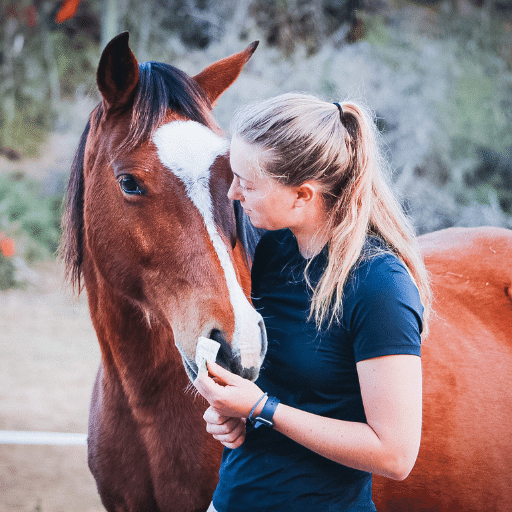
229, 394
229, 431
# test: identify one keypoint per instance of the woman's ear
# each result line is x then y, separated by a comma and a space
306, 193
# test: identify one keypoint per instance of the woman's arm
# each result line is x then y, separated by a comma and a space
387, 444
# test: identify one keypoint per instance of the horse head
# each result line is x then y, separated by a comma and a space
148, 220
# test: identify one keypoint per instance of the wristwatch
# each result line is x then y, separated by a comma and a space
266, 414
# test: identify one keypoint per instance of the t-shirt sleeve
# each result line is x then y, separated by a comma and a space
385, 310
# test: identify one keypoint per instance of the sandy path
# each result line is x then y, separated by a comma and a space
48, 360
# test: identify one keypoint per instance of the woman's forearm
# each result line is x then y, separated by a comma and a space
352, 444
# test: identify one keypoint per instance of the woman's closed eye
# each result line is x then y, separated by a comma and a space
245, 186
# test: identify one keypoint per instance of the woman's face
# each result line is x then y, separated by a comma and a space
267, 202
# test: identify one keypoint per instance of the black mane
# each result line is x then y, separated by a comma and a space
160, 87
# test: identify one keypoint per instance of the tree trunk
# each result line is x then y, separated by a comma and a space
49, 57
7, 85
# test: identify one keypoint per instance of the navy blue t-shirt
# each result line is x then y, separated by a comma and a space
316, 371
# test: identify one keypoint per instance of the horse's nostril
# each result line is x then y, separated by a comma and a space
216, 335
250, 373
225, 354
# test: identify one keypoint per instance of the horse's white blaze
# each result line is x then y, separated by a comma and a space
189, 149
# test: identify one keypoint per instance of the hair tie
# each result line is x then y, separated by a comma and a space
340, 109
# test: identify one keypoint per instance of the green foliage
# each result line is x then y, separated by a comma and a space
29, 216
28, 129
474, 124
474, 114
452, 123
289, 24
376, 30
76, 60
39, 68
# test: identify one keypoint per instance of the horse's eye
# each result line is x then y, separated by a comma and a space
129, 185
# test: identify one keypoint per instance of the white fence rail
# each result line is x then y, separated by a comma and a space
42, 438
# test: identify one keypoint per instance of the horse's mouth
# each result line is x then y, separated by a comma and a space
232, 366
226, 357
192, 369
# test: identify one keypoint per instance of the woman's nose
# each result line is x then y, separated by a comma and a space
234, 192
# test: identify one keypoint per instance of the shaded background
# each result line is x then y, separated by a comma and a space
437, 74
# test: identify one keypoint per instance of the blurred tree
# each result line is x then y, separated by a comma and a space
109, 17
25, 81
308, 22
37, 62
49, 54
10, 48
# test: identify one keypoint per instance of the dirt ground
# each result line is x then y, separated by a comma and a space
48, 360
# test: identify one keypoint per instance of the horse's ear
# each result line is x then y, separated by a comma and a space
118, 72
217, 77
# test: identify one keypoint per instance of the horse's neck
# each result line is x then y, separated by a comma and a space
141, 401
142, 353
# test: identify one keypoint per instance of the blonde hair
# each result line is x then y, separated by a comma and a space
304, 138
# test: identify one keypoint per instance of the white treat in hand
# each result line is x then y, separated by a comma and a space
206, 350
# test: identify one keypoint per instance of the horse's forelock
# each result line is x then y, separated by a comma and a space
162, 87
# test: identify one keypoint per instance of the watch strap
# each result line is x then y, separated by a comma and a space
267, 413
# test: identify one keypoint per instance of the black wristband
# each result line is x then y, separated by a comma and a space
265, 416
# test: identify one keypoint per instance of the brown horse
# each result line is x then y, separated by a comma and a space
150, 230
465, 459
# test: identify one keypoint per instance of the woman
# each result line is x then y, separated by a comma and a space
345, 297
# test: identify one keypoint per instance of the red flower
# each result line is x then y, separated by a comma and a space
67, 10
6, 246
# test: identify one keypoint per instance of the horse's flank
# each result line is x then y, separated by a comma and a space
465, 457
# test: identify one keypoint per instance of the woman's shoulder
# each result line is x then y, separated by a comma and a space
381, 275
378, 259
382, 308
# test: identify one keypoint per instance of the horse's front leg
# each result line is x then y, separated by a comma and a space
116, 454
